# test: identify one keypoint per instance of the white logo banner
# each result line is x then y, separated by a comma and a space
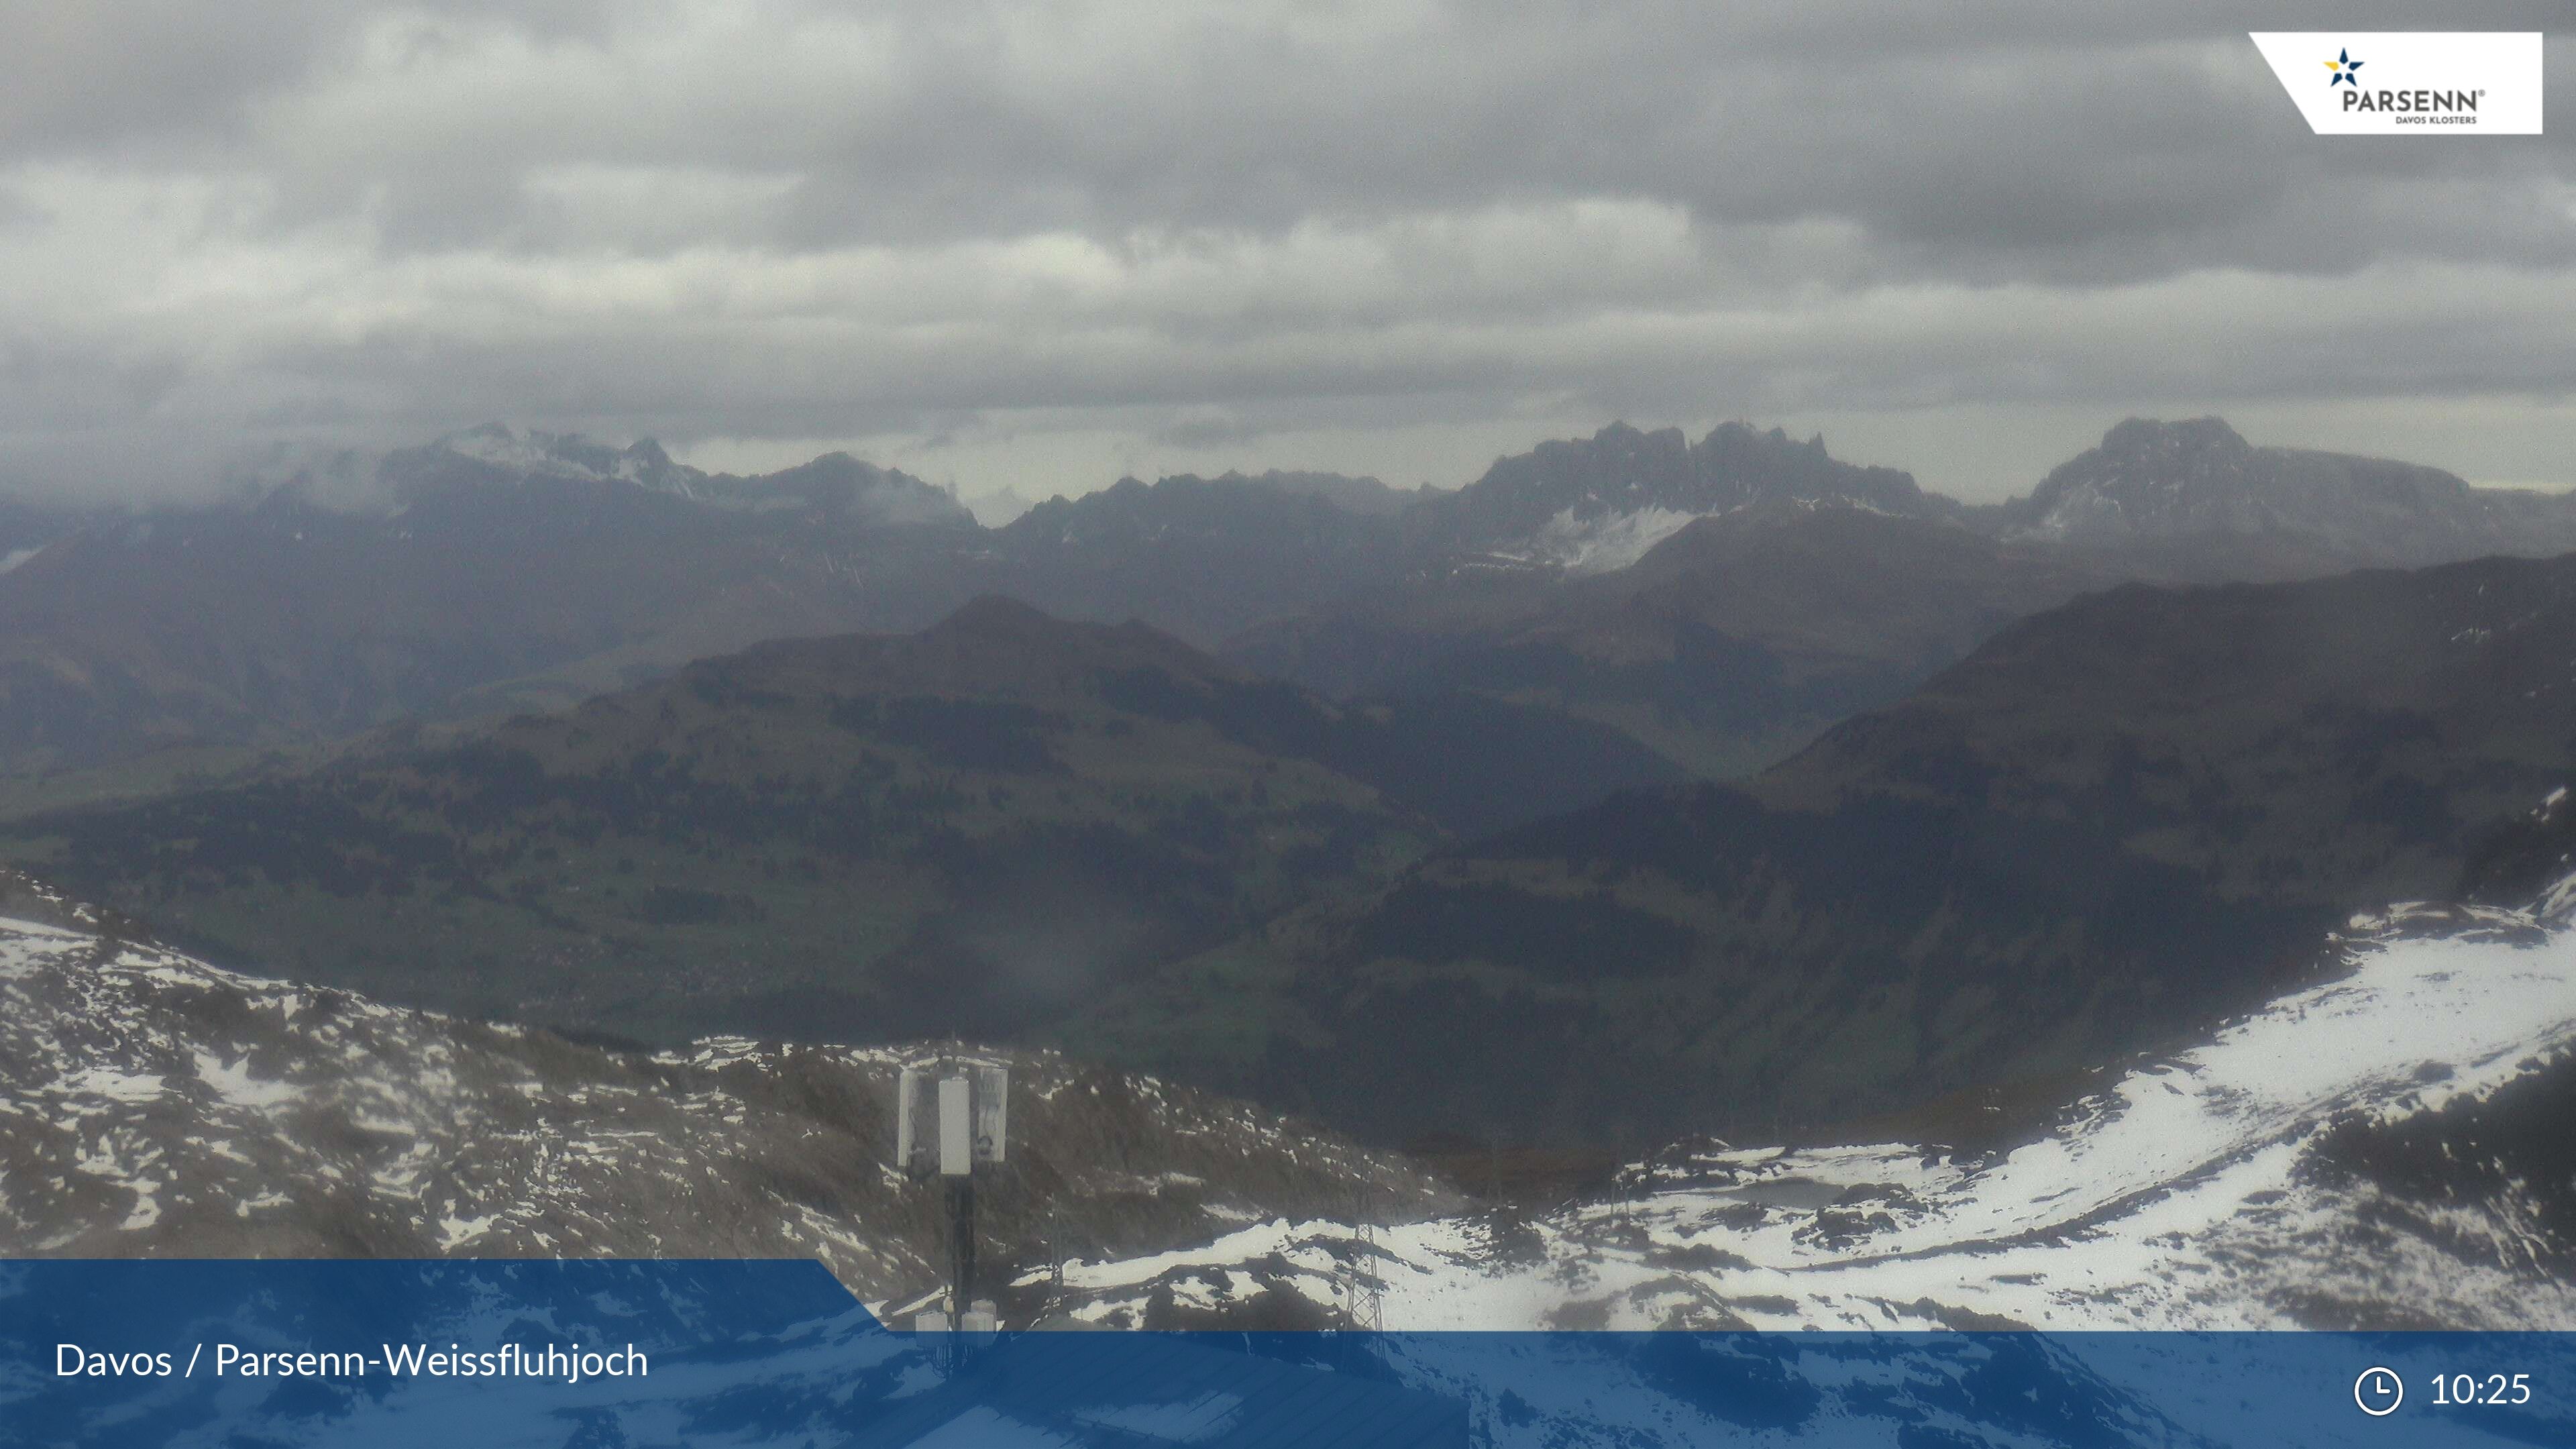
2360, 83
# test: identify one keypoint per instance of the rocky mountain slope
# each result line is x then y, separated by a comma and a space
2381, 1147
869, 837
1202, 557
1750, 591
298, 617
2115, 821
152, 1105
1595, 504
494, 570
2167, 491
834, 485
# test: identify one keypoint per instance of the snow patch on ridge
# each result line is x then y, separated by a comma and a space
1607, 542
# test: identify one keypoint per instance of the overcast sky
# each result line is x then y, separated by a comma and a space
1038, 245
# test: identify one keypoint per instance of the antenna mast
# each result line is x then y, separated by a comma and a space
1364, 1292
952, 1117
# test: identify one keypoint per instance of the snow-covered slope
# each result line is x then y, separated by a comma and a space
1605, 542
2374, 1150
152, 1105
2385, 1148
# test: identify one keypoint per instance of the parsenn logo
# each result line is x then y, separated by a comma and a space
2426, 102
2421, 83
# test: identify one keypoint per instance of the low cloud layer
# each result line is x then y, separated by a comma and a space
1035, 245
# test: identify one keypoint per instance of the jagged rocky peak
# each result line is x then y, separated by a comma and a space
1599, 503
571, 455
2189, 438
2155, 480
2151, 476
1615, 467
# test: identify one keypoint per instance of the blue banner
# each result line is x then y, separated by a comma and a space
588, 1355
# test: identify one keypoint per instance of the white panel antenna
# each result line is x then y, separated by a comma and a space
952, 1116
992, 1111
956, 1126
907, 1120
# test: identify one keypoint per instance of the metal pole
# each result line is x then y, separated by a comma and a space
961, 1240
961, 1265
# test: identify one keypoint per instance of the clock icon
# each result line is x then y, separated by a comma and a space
2378, 1391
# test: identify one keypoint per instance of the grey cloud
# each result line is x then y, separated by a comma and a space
2000, 137
1200, 431
1208, 225
174, 80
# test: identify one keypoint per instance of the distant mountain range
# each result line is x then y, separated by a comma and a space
495, 571
833, 486
1600, 503
1979, 761
288, 620
1725, 601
